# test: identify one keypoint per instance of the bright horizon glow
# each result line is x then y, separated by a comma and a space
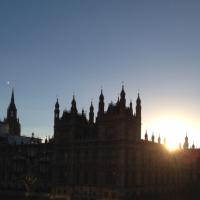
174, 129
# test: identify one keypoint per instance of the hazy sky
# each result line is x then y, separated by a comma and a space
54, 48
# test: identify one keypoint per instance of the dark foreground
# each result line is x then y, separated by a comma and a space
45, 196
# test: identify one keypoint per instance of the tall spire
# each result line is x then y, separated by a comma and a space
101, 104
101, 97
73, 107
91, 114
186, 143
56, 110
146, 136
138, 106
13, 121
122, 94
12, 97
57, 104
138, 101
138, 116
123, 97
12, 111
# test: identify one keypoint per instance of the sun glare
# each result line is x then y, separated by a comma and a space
173, 130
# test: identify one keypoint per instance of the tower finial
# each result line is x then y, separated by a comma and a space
12, 96
186, 143
122, 85
101, 104
138, 101
91, 105
146, 136
56, 110
91, 114
73, 105
123, 97
57, 103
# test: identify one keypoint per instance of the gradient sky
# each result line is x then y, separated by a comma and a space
54, 48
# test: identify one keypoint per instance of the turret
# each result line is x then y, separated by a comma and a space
146, 136
138, 107
101, 105
56, 111
186, 143
91, 114
138, 116
73, 106
123, 98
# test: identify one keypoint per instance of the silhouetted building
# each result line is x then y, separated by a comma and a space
10, 128
98, 159
11, 124
108, 156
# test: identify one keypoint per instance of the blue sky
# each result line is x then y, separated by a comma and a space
54, 48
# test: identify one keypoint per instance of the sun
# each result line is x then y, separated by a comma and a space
174, 130
172, 145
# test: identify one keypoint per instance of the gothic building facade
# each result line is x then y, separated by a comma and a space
107, 159
98, 153
102, 158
